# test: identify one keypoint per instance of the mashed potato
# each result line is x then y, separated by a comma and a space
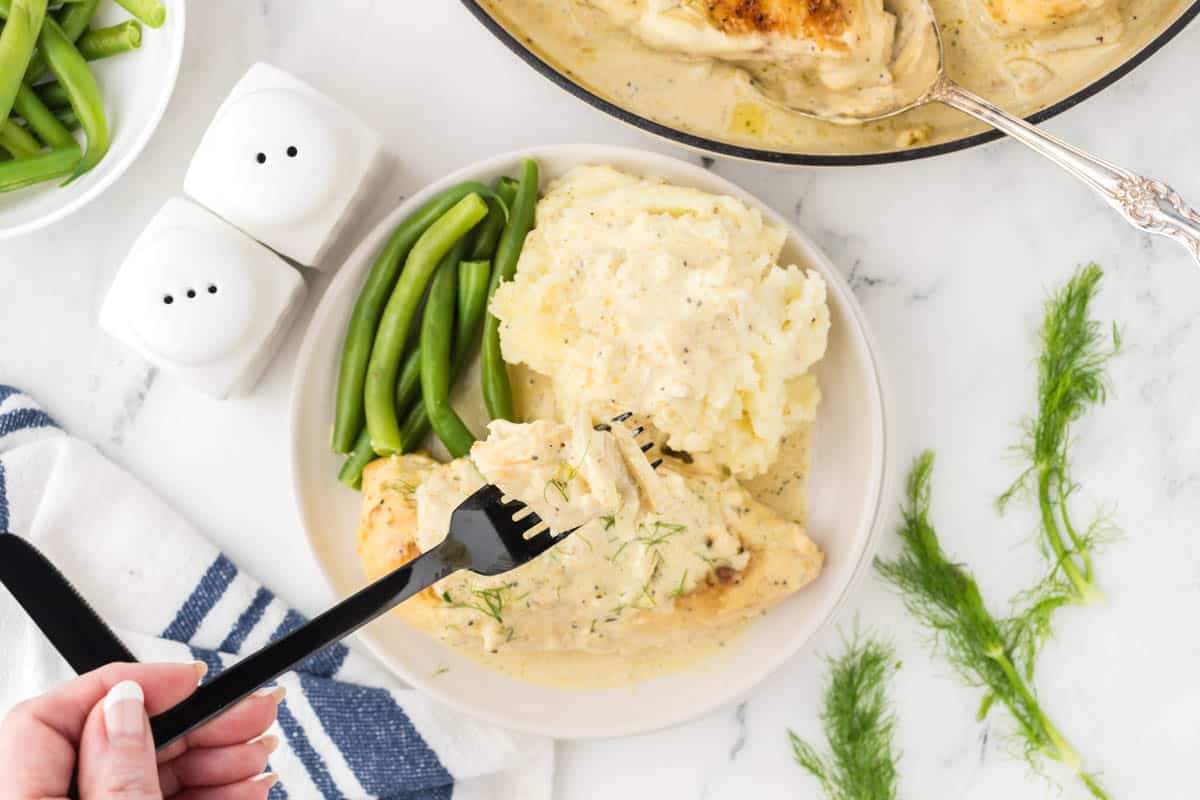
669, 302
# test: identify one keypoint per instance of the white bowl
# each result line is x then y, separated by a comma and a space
851, 467
136, 87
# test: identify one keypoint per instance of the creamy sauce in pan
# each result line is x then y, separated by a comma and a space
990, 48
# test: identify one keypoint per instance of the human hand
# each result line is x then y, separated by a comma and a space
101, 719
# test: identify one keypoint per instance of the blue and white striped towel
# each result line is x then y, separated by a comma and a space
348, 731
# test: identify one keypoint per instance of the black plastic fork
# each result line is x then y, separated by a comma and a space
484, 537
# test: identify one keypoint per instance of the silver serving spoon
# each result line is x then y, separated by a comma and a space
1147, 204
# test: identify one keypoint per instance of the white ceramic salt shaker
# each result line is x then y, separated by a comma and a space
284, 163
201, 300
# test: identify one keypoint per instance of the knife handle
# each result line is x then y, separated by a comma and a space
241, 679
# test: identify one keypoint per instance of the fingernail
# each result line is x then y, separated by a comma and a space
276, 692
201, 670
270, 742
125, 711
269, 778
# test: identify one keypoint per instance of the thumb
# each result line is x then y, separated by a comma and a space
116, 754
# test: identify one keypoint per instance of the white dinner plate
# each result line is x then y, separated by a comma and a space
136, 87
851, 468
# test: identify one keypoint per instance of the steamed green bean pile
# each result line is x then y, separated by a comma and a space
419, 316
48, 91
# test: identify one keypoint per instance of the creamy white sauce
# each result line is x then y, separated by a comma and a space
647, 538
696, 648
989, 48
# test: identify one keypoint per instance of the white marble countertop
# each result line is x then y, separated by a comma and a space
950, 258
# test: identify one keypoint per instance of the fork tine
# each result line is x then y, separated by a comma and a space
537, 530
638, 431
646, 447
522, 526
622, 417
656, 463
555, 538
545, 540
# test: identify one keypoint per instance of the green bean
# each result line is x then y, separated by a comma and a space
379, 393
488, 234
68, 118
73, 73
150, 12
408, 386
53, 94
473, 277
437, 332
17, 141
497, 392
364, 321
74, 20
41, 120
101, 43
408, 392
414, 428
46, 166
362, 454
18, 40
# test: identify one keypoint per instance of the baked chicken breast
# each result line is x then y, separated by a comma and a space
829, 35
660, 554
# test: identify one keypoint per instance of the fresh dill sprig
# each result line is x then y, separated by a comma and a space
944, 597
1071, 378
492, 601
563, 475
678, 592
858, 722
658, 532
650, 536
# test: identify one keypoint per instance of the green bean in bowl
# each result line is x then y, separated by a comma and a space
54, 122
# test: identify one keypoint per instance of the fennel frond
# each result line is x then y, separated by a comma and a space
1071, 378
985, 651
858, 722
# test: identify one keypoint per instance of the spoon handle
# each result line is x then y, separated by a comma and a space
1147, 204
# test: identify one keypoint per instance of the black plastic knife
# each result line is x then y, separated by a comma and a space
75, 630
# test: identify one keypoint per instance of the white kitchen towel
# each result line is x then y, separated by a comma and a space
348, 731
